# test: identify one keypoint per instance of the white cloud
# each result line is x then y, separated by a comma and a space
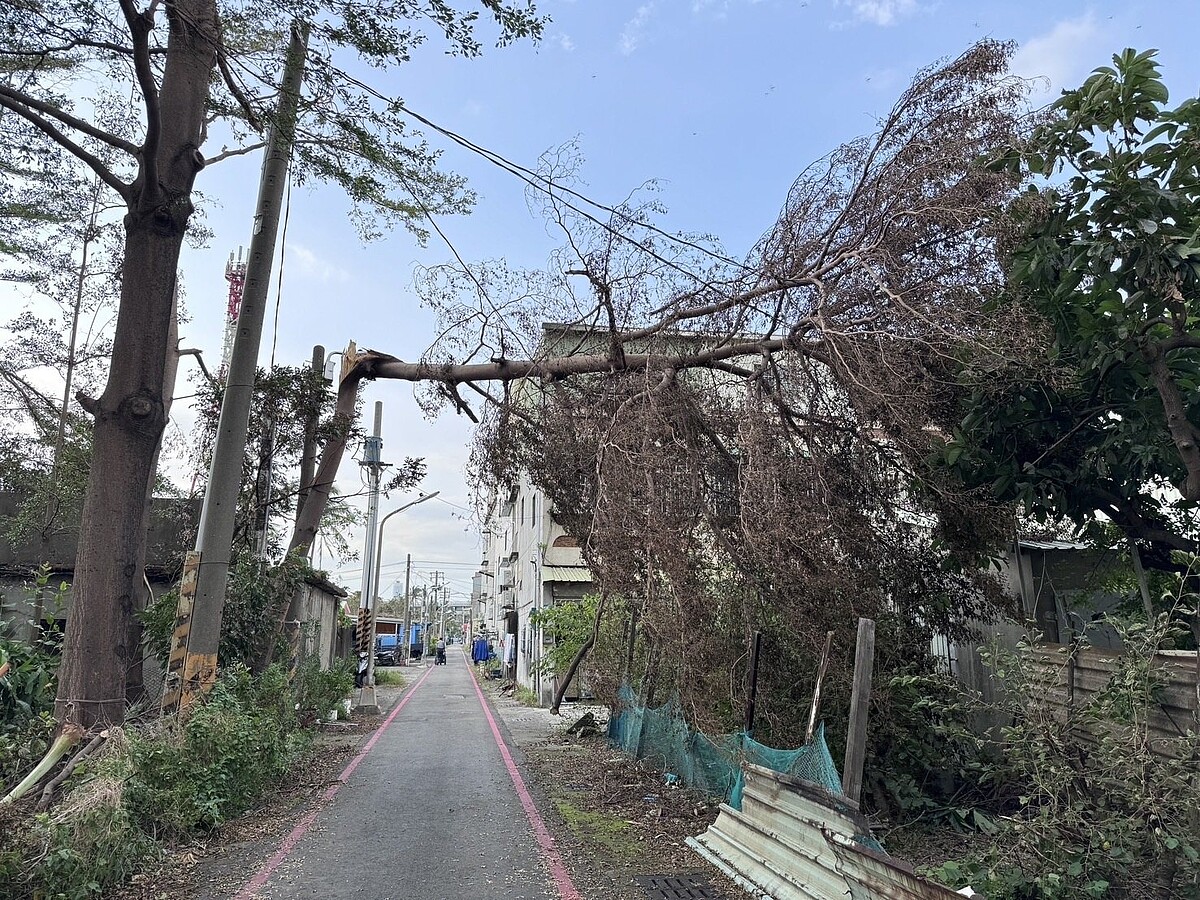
314, 266
1061, 57
634, 31
564, 41
880, 12
719, 8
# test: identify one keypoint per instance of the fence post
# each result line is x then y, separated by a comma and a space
860, 700
815, 709
755, 646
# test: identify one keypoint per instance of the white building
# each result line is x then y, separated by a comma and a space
529, 563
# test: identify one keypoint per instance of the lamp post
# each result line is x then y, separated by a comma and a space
375, 584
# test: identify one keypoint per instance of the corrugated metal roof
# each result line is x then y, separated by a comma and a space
793, 840
1054, 545
577, 574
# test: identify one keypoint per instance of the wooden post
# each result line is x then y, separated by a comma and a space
815, 709
860, 700
755, 646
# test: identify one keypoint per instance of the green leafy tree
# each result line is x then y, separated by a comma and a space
1110, 257
133, 91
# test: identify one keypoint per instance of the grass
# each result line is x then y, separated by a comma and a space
601, 829
526, 697
387, 676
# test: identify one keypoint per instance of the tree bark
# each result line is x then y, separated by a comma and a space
1184, 434
130, 414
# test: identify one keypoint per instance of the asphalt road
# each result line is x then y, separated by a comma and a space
430, 812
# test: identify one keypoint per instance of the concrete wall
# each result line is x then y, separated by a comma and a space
170, 533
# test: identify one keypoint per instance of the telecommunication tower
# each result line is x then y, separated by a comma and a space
235, 274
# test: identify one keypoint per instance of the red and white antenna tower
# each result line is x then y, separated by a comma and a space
235, 274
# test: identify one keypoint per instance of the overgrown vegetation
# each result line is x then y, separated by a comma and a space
1099, 805
253, 597
27, 687
166, 781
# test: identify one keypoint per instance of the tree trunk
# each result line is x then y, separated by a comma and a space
130, 415
308, 516
560, 689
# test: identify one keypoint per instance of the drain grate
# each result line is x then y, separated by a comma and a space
676, 887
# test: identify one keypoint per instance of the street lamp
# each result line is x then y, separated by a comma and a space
375, 586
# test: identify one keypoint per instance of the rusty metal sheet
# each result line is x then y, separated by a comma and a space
793, 840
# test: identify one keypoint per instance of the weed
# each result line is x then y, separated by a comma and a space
597, 828
525, 696
387, 676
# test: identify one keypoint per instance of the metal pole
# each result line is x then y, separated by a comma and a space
755, 646
378, 566
215, 537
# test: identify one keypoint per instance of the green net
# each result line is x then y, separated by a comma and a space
714, 764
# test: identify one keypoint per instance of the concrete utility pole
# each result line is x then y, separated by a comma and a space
193, 659
407, 606
373, 463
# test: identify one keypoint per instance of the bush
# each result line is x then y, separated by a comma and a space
27, 692
195, 775
317, 691
91, 841
86, 844
253, 599
1099, 812
925, 762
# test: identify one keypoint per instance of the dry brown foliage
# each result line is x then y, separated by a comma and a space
744, 445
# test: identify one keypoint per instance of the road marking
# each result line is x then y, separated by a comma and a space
263, 875
554, 860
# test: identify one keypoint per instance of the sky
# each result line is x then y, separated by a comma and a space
722, 102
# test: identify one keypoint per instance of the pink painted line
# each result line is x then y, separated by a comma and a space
263, 875
554, 860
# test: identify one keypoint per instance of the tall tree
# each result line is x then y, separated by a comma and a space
172, 72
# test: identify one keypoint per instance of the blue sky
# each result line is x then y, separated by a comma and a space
722, 101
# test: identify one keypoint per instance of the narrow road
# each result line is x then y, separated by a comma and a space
432, 808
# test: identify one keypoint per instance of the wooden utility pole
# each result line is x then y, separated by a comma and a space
860, 702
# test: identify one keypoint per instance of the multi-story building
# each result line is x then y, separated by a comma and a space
529, 563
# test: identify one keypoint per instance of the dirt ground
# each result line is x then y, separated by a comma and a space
615, 820
612, 819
